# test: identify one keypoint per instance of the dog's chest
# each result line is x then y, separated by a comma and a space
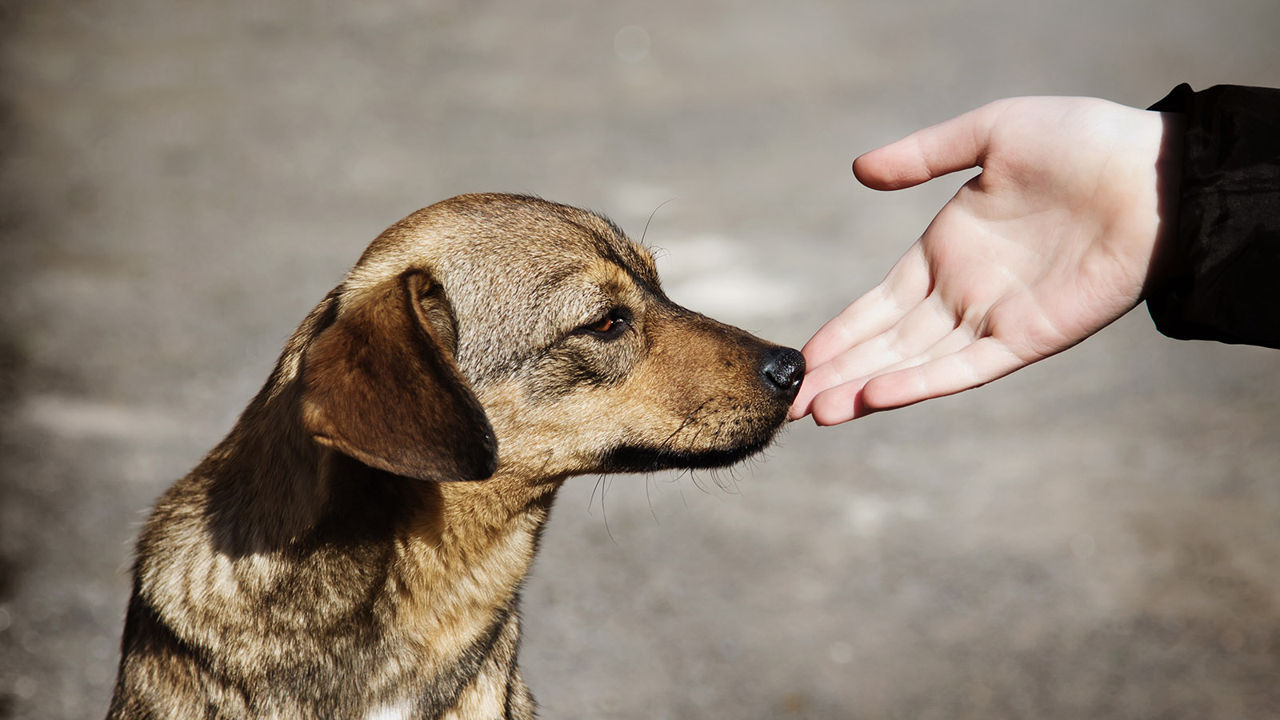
486, 696
403, 710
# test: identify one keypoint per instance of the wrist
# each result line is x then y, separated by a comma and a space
1167, 261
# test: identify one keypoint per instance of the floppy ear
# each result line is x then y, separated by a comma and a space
380, 385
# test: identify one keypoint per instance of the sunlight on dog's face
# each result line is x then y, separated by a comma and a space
580, 361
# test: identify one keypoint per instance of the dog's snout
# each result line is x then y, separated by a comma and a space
783, 368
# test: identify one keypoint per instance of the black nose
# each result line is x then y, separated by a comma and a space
783, 368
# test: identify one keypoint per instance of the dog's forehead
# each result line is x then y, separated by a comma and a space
515, 237
511, 266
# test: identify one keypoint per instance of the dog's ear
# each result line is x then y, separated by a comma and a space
380, 385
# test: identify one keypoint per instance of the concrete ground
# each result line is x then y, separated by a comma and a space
1095, 537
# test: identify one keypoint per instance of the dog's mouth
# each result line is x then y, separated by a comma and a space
643, 459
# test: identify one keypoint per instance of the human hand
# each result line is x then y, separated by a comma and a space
1053, 240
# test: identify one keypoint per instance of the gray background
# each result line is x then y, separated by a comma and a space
1095, 537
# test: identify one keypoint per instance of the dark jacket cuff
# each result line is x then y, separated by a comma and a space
1227, 236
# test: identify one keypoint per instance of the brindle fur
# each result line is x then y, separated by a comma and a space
318, 565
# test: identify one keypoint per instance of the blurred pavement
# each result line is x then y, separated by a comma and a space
1095, 537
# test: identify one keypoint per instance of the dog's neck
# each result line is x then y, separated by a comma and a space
463, 556
436, 567
461, 549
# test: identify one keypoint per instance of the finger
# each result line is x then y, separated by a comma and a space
977, 364
839, 404
906, 285
956, 144
835, 386
842, 402
915, 333
919, 329
868, 316
819, 383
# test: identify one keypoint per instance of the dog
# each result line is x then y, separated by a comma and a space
355, 547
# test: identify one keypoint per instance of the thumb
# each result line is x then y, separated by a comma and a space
956, 144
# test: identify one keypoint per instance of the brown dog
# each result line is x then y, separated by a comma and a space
319, 563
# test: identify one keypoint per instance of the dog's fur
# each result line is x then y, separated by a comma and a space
319, 563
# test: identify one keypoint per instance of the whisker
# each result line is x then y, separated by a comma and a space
591, 500
645, 232
694, 477
604, 511
648, 479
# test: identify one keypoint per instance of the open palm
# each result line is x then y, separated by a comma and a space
1053, 240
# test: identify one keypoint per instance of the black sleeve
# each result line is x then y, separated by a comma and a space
1227, 236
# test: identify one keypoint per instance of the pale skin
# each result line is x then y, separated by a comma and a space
1060, 234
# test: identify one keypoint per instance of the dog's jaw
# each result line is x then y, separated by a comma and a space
636, 459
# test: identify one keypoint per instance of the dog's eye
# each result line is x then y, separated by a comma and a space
610, 326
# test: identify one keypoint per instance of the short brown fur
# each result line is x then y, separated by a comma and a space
322, 562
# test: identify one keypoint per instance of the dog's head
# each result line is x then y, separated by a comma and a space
493, 330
